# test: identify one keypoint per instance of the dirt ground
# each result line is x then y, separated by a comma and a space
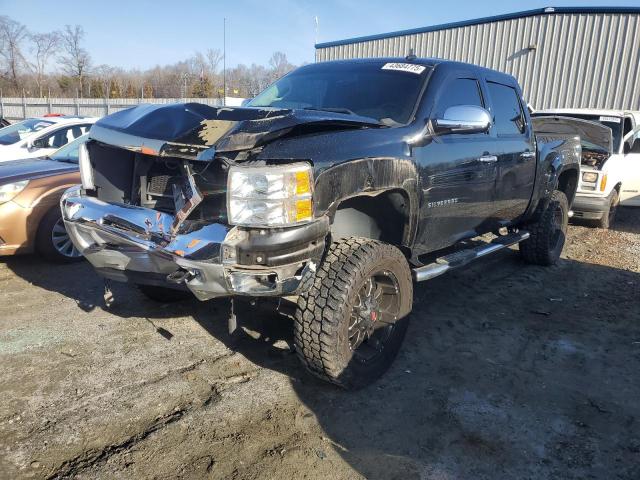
507, 371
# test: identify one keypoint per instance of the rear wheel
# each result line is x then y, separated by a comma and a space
548, 234
350, 324
164, 294
609, 215
53, 241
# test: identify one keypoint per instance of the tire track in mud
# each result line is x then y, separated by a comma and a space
94, 458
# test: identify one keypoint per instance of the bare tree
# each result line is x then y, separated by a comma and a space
76, 60
43, 47
58, 60
279, 65
214, 57
12, 35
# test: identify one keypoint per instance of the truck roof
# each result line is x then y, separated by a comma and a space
426, 61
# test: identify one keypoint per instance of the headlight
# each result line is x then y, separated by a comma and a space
589, 177
86, 172
9, 191
270, 196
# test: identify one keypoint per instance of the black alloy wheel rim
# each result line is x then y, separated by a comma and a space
373, 316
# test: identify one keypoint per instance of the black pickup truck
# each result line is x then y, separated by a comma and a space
336, 188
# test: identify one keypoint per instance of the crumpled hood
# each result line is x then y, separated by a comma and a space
17, 170
592, 132
197, 131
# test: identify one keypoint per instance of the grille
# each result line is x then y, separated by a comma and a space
161, 185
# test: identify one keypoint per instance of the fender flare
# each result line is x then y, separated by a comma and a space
369, 177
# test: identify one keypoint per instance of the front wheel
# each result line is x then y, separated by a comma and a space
548, 234
350, 324
609, 215
53, 241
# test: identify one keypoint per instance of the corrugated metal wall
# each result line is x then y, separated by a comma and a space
580, 60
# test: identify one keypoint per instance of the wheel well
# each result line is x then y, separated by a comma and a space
618, 187
568, 183
382, 217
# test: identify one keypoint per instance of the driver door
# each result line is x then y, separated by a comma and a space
630, 191
457, 173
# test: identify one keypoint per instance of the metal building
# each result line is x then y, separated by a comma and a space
562, 57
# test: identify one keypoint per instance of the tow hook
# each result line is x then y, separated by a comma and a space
181, 276
108, 294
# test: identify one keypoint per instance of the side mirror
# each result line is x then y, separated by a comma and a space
463, 119
244, 102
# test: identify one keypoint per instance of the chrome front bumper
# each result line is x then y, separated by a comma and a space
135, 244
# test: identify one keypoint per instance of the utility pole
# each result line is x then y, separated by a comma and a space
185, 77
224, 61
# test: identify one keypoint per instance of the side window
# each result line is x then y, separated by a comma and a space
627, 126
635, 146
461, 91
61, 137
507, 110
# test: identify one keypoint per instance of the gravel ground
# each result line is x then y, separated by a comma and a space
508, 371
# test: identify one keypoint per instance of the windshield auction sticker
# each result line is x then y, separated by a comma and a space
405, 67
611, 119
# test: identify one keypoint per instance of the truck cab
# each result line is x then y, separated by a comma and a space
608, 177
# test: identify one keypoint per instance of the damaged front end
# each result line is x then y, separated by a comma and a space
153, 207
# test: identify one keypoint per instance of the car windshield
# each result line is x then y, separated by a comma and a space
387, 92
69, 153
16, 132
614, 123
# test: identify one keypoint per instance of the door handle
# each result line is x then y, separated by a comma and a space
527, 154
488, 159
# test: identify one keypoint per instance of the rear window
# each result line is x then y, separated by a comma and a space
388, 95
16, 132
507, 111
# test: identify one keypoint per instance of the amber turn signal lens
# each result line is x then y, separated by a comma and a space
303, 182
304, 210
603, 182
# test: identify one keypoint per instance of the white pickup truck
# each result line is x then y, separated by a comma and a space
607, 178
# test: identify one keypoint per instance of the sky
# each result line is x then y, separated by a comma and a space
144, 33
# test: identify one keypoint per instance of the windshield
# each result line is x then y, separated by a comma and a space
69, 153
16, 132
387, 92
614, 123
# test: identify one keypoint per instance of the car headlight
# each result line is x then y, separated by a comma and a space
270, 196
86, 171
589, 177
9, 191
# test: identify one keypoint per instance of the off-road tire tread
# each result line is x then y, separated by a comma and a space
320, 308
536, 249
